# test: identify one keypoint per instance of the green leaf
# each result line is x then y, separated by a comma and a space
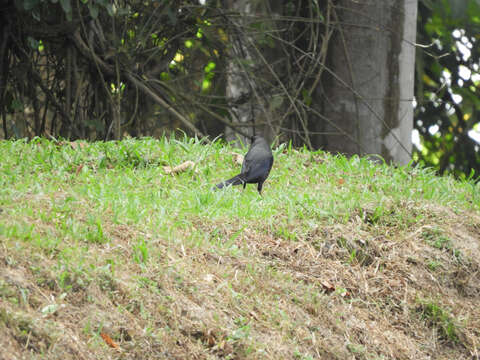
110, 9
33, 43
307, 99
66, 6
473, 12
30, 4
428, 4
172, 16
35, 15
93, 10
459, 8
276, 102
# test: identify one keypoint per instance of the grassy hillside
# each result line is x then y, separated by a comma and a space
106, 256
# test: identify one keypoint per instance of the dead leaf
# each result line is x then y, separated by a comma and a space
108, 340
209, 278
75, 145
179, 168
328, 286
394, 282
319, 159
210, 338
238, 158
79, 168
340, 181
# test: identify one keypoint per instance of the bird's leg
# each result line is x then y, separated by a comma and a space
259, 187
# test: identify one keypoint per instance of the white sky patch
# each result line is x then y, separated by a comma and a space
447, 77
201, 2
464, 72
466, 53
433, 129
457, 98
450, 109
475, 135
416, 139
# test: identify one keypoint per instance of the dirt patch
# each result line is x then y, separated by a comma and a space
364, 289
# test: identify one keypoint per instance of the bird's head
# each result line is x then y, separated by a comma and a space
256, 138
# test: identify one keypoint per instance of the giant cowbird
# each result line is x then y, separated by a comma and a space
256, 166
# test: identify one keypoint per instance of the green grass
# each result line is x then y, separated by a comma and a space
98, 238
440, 318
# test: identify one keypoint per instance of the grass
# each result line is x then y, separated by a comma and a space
98, 242
440, 319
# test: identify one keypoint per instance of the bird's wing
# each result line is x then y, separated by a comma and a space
258, 168
257, 162
250, 158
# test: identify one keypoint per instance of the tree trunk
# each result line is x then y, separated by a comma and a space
239, 91
367, 95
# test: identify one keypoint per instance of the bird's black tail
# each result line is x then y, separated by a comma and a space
236, 180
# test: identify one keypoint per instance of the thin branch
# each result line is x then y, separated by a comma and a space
147, 91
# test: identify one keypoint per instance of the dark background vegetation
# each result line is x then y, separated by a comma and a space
439, 80
100, 70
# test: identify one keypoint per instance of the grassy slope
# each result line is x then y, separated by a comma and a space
339, 259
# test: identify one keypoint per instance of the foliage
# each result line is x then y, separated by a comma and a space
77, 69
448, 85
440, 318
98, 69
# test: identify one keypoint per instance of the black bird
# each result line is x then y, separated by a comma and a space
256, 166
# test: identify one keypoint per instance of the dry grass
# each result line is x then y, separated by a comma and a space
274, 282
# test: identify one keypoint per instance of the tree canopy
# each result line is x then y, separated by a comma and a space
447, 85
